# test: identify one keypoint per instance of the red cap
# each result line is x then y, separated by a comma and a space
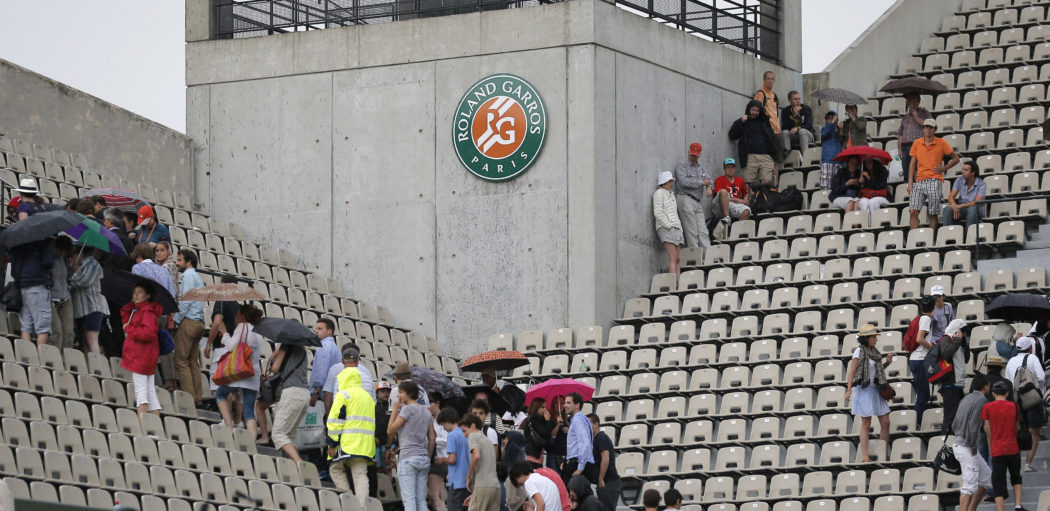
695, 149
13, 203
144, 213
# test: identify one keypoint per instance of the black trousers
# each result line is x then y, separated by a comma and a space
952, 396
610, 494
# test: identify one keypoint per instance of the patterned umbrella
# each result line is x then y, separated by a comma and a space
551, 389
117, 198
432, 381
839, 96
91, 233
498, 360
222, 293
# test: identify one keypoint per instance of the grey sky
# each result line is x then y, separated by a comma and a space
131, 52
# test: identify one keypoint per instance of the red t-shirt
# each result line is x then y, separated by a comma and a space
737, 187
1002, 415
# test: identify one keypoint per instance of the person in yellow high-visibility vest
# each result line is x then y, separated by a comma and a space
351, 431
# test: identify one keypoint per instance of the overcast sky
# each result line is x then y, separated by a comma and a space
130, 52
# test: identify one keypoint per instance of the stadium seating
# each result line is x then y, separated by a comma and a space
68, 433
737, 373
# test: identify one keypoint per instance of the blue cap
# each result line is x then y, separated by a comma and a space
830, 112
728, 161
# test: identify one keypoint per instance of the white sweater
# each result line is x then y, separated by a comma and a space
665, 209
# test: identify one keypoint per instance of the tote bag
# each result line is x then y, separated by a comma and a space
236, 364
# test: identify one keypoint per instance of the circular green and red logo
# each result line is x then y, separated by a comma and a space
499, 127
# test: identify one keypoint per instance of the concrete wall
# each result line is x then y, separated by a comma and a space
39, 110
336, 144
898, 33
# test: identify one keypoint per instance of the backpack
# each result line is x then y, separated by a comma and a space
911, 337
1027, 386
937, 368
766, 199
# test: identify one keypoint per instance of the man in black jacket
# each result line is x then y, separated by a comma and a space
796, 123
31, 265
757, 148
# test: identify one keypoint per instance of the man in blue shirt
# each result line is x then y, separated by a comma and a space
324, 358
457, 457
190, 323
967, 190
578, 445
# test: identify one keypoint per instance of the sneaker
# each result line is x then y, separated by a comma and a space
1029, 468
726, 220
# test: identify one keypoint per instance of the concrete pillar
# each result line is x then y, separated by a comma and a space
199, 20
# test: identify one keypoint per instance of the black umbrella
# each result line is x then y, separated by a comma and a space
118, 287
1018, 307
496, 403
514, 396
38, 227
287, 331
914, 85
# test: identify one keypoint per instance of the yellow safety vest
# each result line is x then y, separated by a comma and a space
352, 421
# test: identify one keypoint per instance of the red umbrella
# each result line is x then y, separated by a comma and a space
499, 360
551, 389
864, 152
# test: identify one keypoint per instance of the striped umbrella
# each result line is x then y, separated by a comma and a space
498, 360
91, 234
117, 198
227, 292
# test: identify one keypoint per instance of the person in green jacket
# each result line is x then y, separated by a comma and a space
351, 434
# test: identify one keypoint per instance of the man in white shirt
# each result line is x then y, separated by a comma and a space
919, 383
541, 490
1036, 415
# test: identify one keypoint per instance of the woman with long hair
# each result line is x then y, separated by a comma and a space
539, 431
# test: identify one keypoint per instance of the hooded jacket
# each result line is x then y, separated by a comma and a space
352, 421
753, 136
585, 500
141, 347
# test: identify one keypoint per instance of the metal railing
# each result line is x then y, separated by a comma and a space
750, 26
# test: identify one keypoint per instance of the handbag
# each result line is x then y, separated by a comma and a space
270, 388
236, 364
11, 297
167, 344
1024, 435
887, 392
946, 461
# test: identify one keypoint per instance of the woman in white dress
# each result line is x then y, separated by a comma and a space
867, 374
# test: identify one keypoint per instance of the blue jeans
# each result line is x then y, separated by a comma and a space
970, 215
921, 386
412, 477
248, 397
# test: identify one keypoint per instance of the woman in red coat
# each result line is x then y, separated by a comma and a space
141, 348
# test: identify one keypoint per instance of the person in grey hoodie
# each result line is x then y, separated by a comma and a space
977, 476
581, 496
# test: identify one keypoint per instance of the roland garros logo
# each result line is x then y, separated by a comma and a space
499, 127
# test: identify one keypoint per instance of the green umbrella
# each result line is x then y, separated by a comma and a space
92, 234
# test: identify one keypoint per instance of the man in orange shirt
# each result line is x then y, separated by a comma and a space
926, 173
770, 101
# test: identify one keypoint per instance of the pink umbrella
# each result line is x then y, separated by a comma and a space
551, 389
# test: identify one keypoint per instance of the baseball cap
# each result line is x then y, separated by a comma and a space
383, 385
13, 203
351, 352
930, 122
728, 161
1025, 343
937, 291
663, 177
830, 113
695, 149
145, 213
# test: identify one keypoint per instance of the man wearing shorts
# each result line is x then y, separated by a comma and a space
732, 197
31, 265
926, 173
756, 146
